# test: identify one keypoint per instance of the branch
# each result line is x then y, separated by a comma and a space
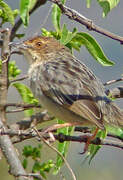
5, 142
74, 15
19, 79
115, 93
55, 150
32, 121
21, 105
24, 135
112, 81
88, 130
37, 176
19, 21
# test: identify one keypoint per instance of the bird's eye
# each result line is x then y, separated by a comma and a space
38, 43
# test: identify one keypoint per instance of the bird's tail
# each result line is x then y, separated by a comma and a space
114, 115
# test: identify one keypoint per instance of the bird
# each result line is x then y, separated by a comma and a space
66, 87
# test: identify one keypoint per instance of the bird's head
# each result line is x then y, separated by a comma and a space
39, 48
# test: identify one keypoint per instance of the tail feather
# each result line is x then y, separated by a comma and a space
114, 115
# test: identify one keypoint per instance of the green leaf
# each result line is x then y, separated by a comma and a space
93, 47
76, 40
13, 70
25, 163
62, 147
43, 168
88, 3
26, 96
15, 13
19, 36
25, 7
66, 35
6, 13
115, 131
24, 11
56, 16
107, 5
32, 4
93, 149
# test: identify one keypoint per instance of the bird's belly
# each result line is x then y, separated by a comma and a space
55, 109
59, 111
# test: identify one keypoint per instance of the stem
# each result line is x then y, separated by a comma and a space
5, 143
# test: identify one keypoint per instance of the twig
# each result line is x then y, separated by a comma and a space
74, 15
54, 149
19, 21
17, 110
37, 176
115, 93
112, 81
115, 136
88, 130
5, 142
21, 105
19, 79
31, 121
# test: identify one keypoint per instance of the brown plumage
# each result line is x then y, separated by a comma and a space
65, 86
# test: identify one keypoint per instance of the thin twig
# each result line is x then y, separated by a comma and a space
74, 15
28, 122
18, 22
54, 149
5, 141
88, 130
17, 110
115, 136
19, 79
37, 176
115, 93
113, 81
21, 105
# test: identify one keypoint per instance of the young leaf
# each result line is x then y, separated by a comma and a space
93, 149
6, 13
88, 3
107, 5
115, 131
62, 147
13, 70
66, 35
93, 47
56, 16
24, 11
26, 96
32, 4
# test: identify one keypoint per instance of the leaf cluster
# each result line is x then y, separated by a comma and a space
34, 153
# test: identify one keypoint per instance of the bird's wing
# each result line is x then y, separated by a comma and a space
72, 86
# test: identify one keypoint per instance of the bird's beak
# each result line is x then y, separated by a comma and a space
13, 44
18, 45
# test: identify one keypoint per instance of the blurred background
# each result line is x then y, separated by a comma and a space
108, 162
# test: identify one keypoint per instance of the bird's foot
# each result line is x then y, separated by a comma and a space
88, 140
